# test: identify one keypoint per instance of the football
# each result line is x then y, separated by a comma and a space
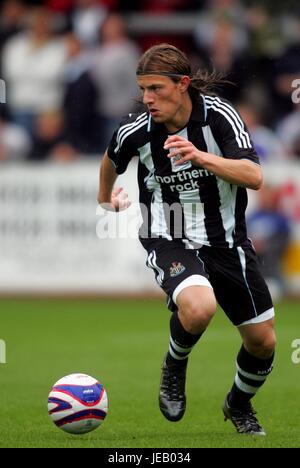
77, 403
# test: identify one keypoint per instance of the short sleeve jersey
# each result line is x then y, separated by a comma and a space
187, 202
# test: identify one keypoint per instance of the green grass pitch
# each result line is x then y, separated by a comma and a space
122, 343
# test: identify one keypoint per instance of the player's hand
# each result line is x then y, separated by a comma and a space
182, 150
119, 199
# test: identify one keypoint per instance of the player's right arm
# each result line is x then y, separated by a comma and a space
121, 149
109, 198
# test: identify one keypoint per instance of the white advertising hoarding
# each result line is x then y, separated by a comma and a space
48, 239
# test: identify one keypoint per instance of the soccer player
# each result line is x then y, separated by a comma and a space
196, 161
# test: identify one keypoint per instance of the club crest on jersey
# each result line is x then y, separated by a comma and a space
176, 269
176, 168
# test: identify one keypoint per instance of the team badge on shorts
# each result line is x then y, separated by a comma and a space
176, 269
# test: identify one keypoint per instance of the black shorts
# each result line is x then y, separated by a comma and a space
234, 274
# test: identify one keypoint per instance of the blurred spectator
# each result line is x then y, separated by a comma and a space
289, 199
32, 66
267, 39
61, 11
265, 140
286, 68
80, 103
222, 43
15, 143
114, 65
269, 230
49, 138
234, 10
11, 22
220, 34
289, 131
87, 20
11, 19
290, 24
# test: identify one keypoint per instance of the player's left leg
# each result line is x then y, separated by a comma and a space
254, 364
243, 294
259, 338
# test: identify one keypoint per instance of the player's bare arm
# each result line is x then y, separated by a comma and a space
109, 198
241, 172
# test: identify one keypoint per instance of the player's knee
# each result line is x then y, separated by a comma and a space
197, 312
263, 347
268, 345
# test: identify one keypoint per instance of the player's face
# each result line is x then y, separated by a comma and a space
162, 96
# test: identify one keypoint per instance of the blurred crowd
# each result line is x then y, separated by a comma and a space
69, 69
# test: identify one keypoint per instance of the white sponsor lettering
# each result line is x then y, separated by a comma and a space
182, 177
187, 186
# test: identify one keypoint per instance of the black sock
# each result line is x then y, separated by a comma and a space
181, 342
250, 376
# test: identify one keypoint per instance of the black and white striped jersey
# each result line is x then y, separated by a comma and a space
187, 202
